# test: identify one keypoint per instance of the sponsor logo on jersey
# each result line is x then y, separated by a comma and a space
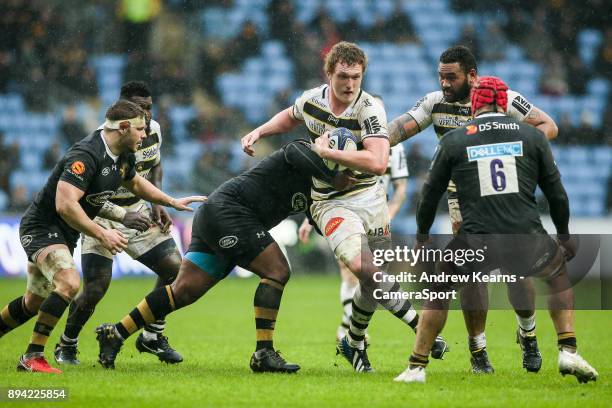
148, 152
105, 171
367, 103
419, 103
380, 231
483, 127
228, 241
333, 225
372, 125
451, 121
495, 150
521, 105
99, 199
52, 235
471, 129
298, 203
332, 119
26, 240
78, 167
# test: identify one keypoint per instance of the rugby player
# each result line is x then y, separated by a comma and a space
356, 220
448, 109
231, 229
153, 246
81, 182
396, 175
497, 163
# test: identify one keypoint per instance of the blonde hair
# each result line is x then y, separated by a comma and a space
345, 52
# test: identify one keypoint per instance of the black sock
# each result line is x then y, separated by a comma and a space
567, 341
77, 317
51, 310
14, 315
418, 360
266, 302
155, 306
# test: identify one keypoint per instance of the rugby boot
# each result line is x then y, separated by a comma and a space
36, 363
532, 359
574, 364
480, 362
110, 343
412, 375
357, 358
439, 347
66, 354
270, 361
160, 348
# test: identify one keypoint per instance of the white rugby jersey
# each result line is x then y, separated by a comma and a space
446, 116
147, 157
365, 117
397, 167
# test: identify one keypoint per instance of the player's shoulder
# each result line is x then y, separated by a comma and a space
155, 127
318, 92
366, 102
518, 102
428, 100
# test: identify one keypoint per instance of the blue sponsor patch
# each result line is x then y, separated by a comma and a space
495, 150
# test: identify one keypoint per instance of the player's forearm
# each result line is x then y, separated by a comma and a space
143, 188
280, 123
549, 129
542, 121
559, 207
112, 212
402, 128
398, 197
362, 160
75, 216
426, 209
306, 161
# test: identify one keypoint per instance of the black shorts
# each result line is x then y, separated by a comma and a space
231, 231
35, 234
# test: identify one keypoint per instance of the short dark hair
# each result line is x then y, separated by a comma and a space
462, 55
123, 110
135, 88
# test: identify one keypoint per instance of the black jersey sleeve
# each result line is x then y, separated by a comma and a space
79, 168
130, 171
301, 157
549, 181
433, 188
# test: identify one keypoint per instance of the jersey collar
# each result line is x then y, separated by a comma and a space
108, 150
486, 115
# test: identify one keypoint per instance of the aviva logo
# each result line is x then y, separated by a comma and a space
495, 150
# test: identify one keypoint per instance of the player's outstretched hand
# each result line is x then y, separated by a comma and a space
343, 180
136, 220
248, 141
182, 204
321, 144
161, 217
304, 231
113, 240
569, 245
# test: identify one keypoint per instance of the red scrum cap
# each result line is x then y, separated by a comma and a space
489, 91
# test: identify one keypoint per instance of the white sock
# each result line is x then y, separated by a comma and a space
526, 325
477, 342
347, 291
66, 341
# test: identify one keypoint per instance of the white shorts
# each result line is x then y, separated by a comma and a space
139, 243
365, 213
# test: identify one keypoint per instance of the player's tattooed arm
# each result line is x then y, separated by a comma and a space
543, 122
131, 219
402, 128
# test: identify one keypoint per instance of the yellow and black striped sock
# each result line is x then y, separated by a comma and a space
567, 341
13, 315
266, 302
51, 310
156, 305
418, 360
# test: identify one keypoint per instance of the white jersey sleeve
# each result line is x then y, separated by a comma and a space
518, 106
298, 106
422, 109
397, 161
373, 120
156, 128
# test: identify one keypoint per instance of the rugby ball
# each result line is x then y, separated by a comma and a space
340, 139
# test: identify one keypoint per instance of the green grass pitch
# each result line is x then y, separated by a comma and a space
216, 337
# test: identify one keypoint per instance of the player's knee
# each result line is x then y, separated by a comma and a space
32, 302
279, 271
67, 282
168, 267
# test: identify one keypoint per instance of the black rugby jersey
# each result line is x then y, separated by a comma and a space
276, 187
89, 166
496, 162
